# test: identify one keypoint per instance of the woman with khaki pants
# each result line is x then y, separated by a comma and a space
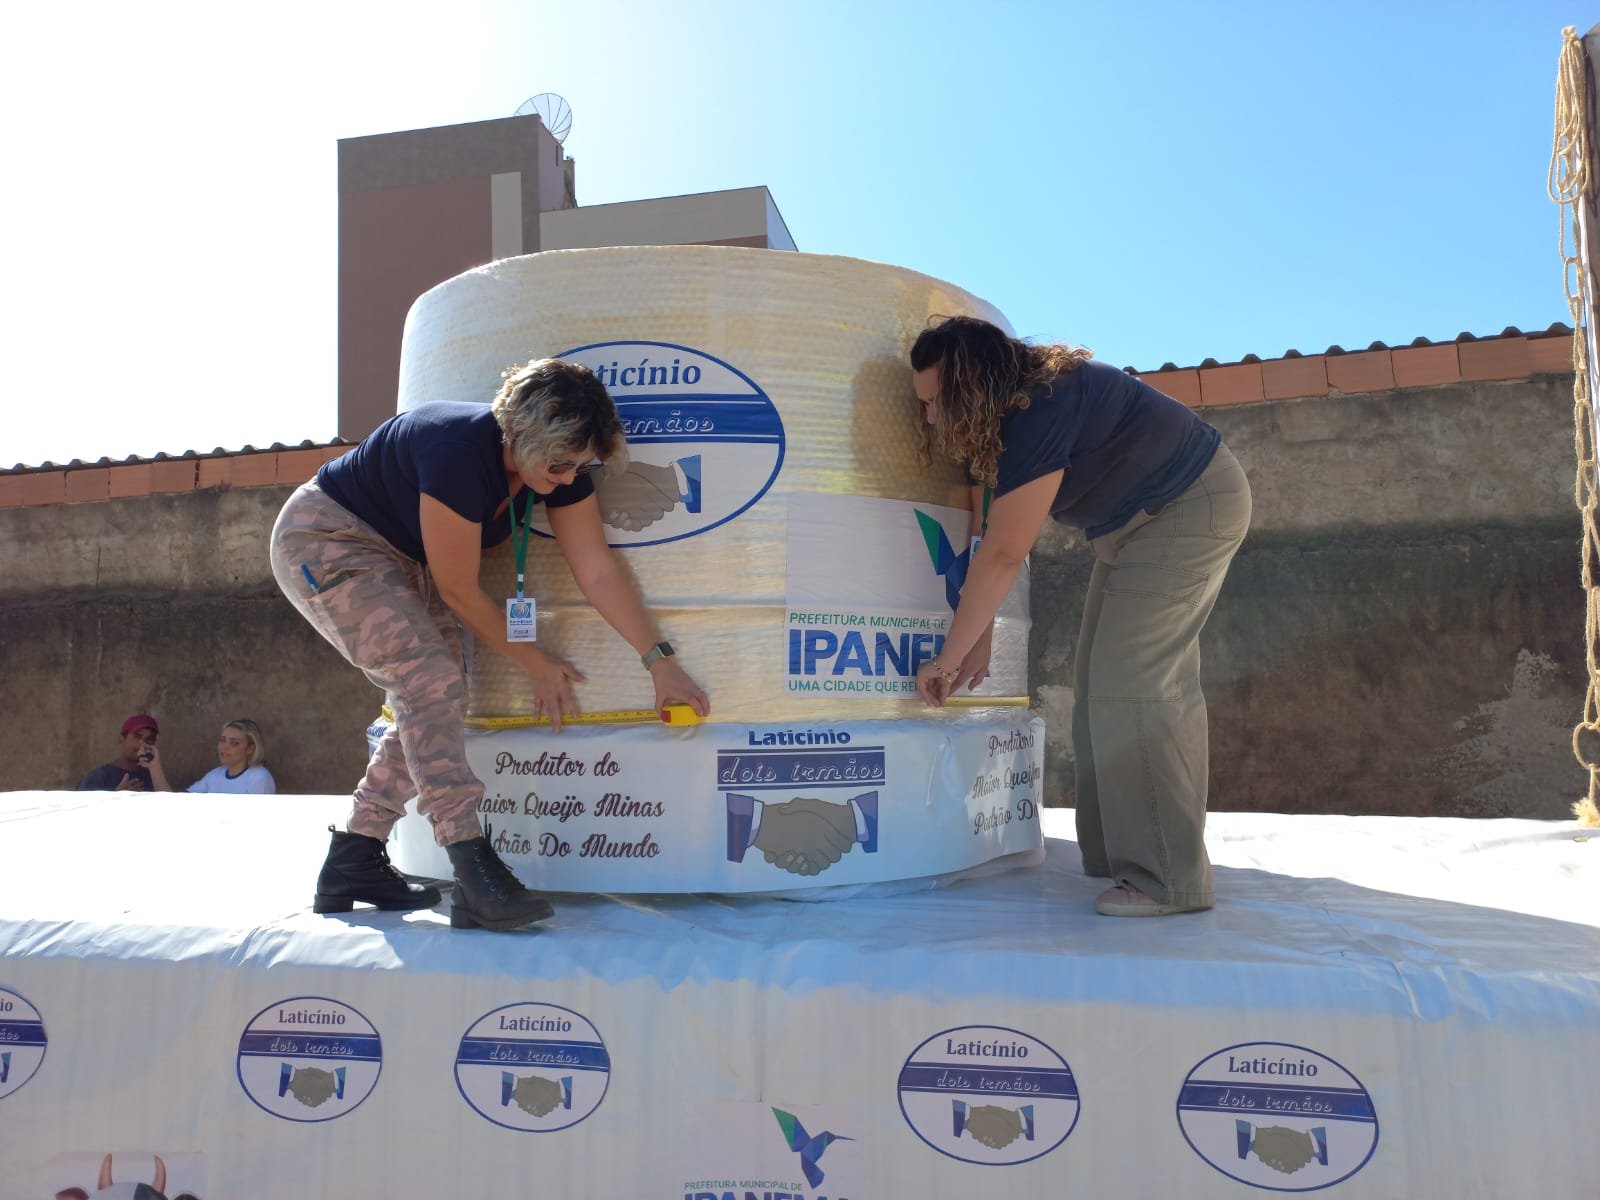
1048, 432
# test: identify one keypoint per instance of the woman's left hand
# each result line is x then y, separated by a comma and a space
975, 666
674, 685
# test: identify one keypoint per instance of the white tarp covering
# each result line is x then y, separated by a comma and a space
1379, 1007
750, 808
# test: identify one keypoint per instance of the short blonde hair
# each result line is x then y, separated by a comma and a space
258, 745
549, 407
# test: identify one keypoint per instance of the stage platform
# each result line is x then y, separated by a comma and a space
1378, 1007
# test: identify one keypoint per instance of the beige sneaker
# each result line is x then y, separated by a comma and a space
1125, 900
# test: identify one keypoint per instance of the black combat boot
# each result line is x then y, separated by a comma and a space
358, 868
487, 895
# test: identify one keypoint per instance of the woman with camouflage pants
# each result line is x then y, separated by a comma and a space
380, 553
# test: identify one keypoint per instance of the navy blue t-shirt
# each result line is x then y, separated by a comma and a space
449, 450
1124, 446
108, 777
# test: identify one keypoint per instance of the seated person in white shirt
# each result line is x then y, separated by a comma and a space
242, 752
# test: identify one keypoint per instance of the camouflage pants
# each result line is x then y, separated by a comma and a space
379, 609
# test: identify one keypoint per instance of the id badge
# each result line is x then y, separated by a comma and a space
521, 614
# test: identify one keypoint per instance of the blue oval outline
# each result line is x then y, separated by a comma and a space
1377, 1132
906, 1117
456, 1067
783, 444
238, 1067
42, 1032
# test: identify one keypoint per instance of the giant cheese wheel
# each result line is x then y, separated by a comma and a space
759, 388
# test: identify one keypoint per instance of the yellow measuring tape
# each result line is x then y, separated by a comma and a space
672, 714
681, 714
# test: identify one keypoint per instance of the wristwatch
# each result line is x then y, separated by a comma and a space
656, 653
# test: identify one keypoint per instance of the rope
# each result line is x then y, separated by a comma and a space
1570, 186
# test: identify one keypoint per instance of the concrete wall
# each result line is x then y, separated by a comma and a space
164, 604
1402, 632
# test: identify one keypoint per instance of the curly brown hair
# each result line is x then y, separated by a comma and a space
984, 375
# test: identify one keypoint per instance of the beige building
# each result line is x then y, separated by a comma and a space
738, 217
418, 207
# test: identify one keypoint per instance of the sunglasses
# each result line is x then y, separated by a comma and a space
561, 468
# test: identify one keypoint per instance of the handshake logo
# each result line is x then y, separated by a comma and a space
637, 495
992, 1125
804, 836
312, 1086
534, 1094
1284, 1150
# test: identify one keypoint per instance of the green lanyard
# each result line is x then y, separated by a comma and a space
519, 536
988, 495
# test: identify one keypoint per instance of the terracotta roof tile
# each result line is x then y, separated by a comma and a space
1509, 354
1510, 331
186, 456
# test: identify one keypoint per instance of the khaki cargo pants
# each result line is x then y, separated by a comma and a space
1139, 731
379, 609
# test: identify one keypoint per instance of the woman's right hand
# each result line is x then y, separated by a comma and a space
552, 679
933, 683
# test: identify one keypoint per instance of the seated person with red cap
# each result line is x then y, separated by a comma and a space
137, 768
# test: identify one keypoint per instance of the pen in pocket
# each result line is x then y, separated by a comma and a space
327, 581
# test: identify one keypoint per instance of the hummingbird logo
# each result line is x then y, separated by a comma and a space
807, 1147
947, 564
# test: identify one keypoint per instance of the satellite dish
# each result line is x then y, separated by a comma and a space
550, 108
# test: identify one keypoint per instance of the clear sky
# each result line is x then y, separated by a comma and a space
1161, 180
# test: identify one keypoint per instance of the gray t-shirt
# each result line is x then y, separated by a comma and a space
1124, 446
106, 778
